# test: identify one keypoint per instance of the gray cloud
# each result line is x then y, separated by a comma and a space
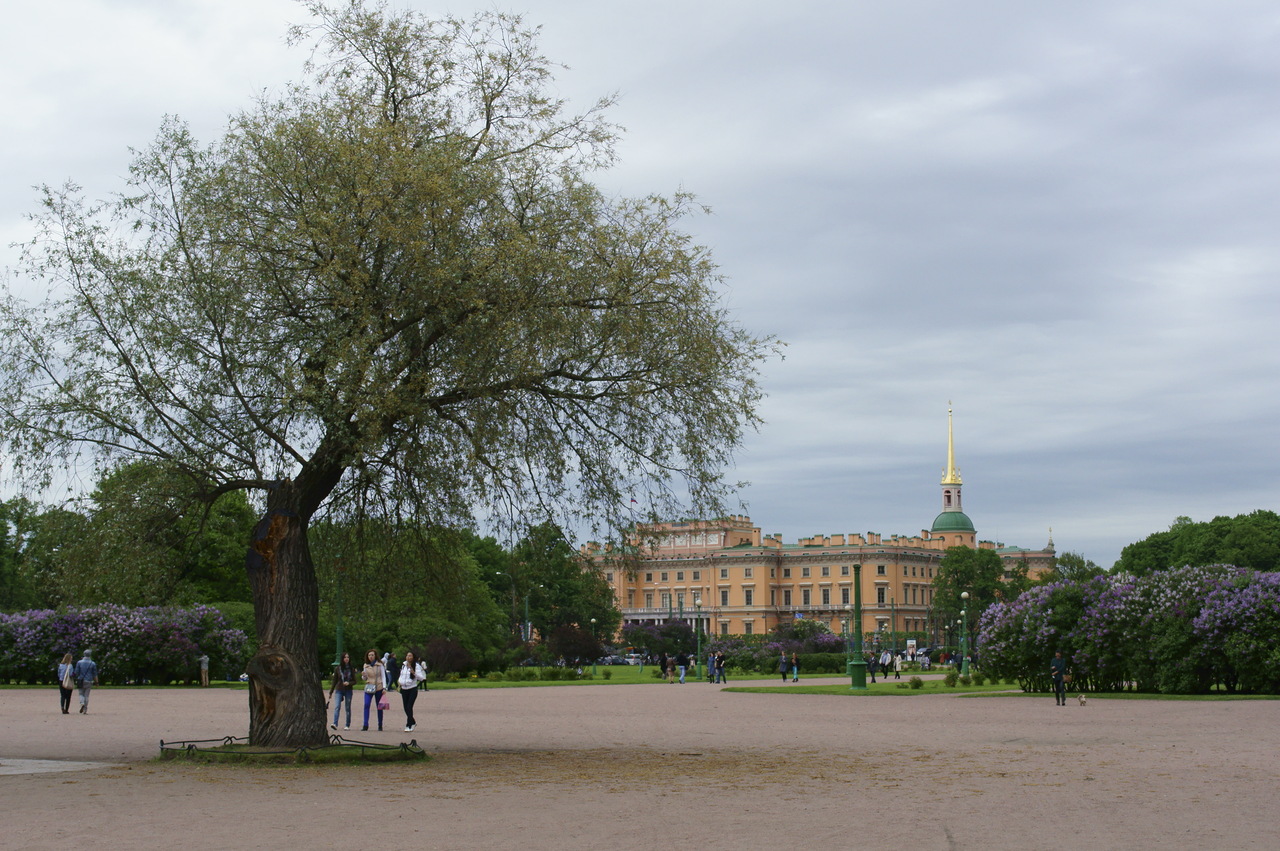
1060, 217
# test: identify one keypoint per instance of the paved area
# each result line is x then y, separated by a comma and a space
656, 765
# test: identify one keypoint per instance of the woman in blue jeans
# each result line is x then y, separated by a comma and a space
375, 683
344, 680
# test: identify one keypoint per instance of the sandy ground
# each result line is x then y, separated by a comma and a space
658, 766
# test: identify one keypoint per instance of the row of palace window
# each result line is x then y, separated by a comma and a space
920, 595
805, 572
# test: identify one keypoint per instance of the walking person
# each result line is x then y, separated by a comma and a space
872, 663
897, 667
783, 665
343, 685
412, 673
204, 670
86, 677
1058, 672
375, 683
66, 682
795, 668
682, 664
720, 677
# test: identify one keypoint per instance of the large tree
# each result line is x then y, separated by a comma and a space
1246, 540
981, 573
390, 288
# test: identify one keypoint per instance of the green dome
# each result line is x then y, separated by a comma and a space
952, 521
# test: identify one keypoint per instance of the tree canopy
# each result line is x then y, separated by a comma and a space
391, 288
1246, 540
982, 574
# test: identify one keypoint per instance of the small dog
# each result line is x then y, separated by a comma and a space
1083, 700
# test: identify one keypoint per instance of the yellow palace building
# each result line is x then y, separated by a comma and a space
736, 581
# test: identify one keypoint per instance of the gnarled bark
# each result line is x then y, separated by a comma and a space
286, 704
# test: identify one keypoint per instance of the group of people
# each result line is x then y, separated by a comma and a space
885, 663
79, 676
378, 676
791, 667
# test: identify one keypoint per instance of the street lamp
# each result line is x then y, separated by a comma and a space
858, 668
697, 633
844, 632
339, 568
595, 650
964, 635
893, 624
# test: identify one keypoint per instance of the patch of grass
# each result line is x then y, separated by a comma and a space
345, 754
900, 688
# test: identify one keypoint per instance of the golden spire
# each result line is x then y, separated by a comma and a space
952, 475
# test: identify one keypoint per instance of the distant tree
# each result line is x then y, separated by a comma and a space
800, 629
573, 644
1246, 540
143, 540
1072, 567
18, 518
980, 572
392, 288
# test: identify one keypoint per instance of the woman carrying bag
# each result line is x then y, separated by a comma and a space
412, 672
374, 676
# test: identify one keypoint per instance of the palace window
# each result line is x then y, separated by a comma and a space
680, 599
844, 570
880, 570
724, 596
724, 627
826, 596
804, 572
748, 596
746, 571
844, 596
666, 600
724, 573
648, 601
664, 576
697, 575
648, 577
679, 576
806, 597
879, 596
904, 570
786, 597
826, 571
746, 628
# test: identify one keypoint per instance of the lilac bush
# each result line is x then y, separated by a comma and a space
157, 644
1176, 631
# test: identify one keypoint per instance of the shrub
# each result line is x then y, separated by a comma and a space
916, 682
978, 678
494, 677
966, 680
607, 674
951, 679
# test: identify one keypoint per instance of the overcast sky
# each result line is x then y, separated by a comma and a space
1063, 218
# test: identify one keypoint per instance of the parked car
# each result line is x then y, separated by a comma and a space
611, 660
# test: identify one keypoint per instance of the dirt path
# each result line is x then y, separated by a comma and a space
649, 766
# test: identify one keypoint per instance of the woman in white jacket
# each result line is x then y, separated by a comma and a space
412, 672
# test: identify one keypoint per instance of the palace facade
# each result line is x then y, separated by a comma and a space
735, 581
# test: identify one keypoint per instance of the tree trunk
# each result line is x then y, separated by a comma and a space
286, 702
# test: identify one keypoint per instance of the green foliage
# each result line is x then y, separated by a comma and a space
916, 683
952, 677
390, 291
966, 679
1246, 540
979, 572
1071, 567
